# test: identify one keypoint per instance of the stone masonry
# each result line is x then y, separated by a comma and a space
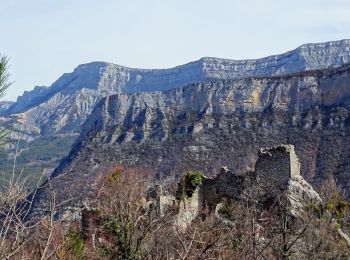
277, 173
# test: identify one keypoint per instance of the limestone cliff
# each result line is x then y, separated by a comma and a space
57, 112
206, 125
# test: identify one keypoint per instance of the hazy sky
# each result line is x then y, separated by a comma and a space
46, 38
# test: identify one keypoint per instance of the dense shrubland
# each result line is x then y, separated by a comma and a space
122, 223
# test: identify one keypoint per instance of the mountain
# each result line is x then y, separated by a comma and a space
205, 125
4, 105
47, 120
116, 78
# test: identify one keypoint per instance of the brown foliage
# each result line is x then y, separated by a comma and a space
124, 222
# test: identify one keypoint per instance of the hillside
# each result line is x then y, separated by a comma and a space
206, 125
47, 120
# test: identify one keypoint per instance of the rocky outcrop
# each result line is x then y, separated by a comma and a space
28, 100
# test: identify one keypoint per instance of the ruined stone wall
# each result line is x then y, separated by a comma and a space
273, 170
294, 163
189, 208
226, 185
277, 172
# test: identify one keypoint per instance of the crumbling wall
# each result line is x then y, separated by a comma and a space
226, 185
294, 163
188, 210
277, 172
273, 170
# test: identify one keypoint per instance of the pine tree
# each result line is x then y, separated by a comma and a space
4, 85
4, 75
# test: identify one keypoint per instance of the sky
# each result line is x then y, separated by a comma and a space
46, 38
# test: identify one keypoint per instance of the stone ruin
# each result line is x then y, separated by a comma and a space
277, 173
276, 176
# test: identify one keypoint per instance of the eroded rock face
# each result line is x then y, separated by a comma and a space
58, 112
205, 125
114, 78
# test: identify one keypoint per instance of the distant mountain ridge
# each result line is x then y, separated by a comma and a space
129, 80
58, 112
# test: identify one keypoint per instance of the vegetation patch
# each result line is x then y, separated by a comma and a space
74, 244
188, 184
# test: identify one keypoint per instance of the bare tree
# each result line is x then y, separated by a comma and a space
122, 223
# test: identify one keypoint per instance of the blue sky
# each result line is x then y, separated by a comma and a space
45, 39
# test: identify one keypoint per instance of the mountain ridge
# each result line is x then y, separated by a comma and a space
59, 111
197, 126
207, 63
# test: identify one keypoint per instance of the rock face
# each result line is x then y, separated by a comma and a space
4, 105
276, 176
27, 100
58, 112
203, 126
112, 78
